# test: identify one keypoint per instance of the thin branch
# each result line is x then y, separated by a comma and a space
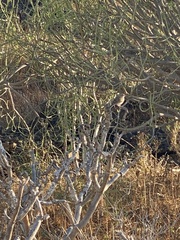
14, 217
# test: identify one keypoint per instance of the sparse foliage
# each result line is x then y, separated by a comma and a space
78, 80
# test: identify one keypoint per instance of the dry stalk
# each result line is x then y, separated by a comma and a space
97, 179
13, 220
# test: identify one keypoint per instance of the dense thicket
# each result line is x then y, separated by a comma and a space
89, 88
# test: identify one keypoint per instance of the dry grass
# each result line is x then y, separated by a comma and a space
145, 203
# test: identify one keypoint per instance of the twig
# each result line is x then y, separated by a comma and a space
14, 217
35, 227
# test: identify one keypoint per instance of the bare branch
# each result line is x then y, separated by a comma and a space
14, 217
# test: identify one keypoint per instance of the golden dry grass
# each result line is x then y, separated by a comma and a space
145, 203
